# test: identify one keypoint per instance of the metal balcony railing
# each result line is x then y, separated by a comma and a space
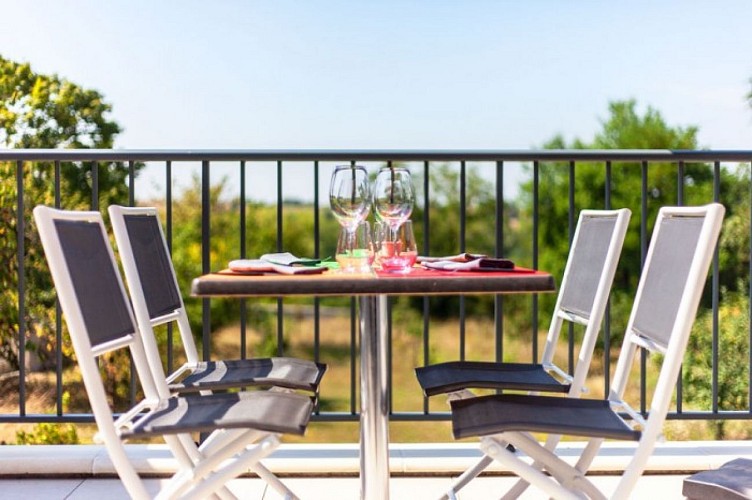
698, 177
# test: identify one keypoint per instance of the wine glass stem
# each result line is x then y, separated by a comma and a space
350, 240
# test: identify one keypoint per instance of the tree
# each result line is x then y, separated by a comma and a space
624, 128
733, 366
45, 111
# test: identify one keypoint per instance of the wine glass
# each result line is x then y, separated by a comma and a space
349, 195
398, 253
355, 250
393, 196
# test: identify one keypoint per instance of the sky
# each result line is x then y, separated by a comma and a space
388, 74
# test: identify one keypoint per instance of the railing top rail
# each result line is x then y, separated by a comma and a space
373, 155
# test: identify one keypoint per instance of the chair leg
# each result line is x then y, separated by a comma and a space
233, 468
467, 476
522, 469
219, 440
187, 453
521, 485
273, 481
563, 477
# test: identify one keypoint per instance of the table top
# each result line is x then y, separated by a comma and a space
417, 282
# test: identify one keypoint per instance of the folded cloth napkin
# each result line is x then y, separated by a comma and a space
481, 264
463, 257
254, 266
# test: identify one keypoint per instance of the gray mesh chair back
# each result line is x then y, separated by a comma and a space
105, 314
665, 306
588, 260
153, 287
153, 265
658, 304
242, 427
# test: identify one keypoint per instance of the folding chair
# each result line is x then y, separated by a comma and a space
156, 301
244, 427
583, 295
666, 303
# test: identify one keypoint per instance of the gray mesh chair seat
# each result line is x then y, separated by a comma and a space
487, 415
442, 378
276, 412
290, 373
731, 481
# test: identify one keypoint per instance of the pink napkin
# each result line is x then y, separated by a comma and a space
481, 264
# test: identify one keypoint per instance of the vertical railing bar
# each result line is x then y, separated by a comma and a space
643, 254
571, 222
680, 202
536, 234
316, 255
353, 340
426, 251
499, 251
353, 351
20, 251
95, 186
57, 184
131, 183
131, 203
607, 316
389, 312
206, 255
243, 255
280, 302
716, 293
463, 229
58, 319
168, 230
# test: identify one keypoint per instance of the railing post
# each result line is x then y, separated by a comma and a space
20, 251
206, 255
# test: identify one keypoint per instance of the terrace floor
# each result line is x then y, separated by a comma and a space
330, 471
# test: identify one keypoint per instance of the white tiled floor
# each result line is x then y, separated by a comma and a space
418, 471
402, 488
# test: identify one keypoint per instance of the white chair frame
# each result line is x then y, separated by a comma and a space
202, 470
245, 367
565, 481
592, 322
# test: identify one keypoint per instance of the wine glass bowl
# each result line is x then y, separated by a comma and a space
350, 195
397, 251
393, 195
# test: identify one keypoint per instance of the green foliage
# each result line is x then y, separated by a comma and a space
45, 111
733, 357
625, 128
46, 433
479, 229
261, 231
734, 255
